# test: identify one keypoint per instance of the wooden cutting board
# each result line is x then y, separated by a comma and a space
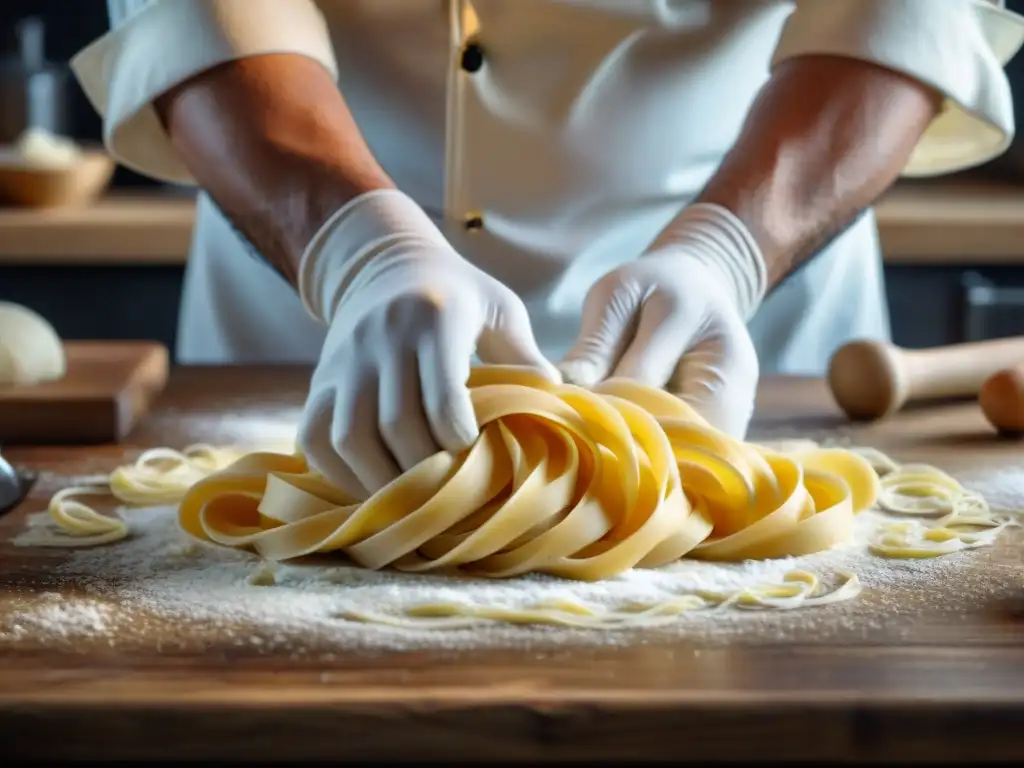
108, 388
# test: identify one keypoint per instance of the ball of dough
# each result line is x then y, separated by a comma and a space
42, 149
30, 349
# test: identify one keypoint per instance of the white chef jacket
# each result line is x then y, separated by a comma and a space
549, 139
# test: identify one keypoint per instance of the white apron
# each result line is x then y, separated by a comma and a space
552, 139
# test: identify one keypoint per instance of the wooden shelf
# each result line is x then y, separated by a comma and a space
956, 223
118, 230
920, 223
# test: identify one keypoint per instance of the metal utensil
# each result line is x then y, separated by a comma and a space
14, 485
34, 91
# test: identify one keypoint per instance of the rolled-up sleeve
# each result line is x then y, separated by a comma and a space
959, 47
154, 45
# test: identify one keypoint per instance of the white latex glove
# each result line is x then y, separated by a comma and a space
676, 318
406, 313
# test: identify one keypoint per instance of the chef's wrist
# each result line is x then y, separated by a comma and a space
301, 209
368, 227
281, 219
713, 236
271, 140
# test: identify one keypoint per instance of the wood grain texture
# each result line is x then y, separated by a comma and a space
108, 387
118, 229
920, 222
929, 683
959, 223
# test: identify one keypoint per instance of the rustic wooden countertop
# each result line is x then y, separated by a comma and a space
909, 679
920, 223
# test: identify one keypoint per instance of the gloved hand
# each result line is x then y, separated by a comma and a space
405, 313
676, 318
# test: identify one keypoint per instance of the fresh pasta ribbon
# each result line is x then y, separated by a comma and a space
940, 516
798, 589
582, 484
163, 475
75, 524
158, 476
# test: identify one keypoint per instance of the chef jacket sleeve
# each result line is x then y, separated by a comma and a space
958, 47
154, 45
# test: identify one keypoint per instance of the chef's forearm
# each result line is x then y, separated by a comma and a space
272, 141
823, 140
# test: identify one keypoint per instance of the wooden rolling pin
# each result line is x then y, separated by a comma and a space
1002, 400
871, 380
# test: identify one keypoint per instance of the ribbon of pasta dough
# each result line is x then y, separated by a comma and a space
567, 481
158, 476
940, 516
798, 589
577, 483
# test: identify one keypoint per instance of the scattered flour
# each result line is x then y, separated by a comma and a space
53, 614
1001, 487
161, 584
159, 587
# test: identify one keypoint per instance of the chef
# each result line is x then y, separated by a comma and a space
675, 191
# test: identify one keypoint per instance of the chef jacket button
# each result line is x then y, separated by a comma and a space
472, 57
474, 222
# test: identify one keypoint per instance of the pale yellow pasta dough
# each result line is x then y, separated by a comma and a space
577, 483
31, 352
582, 484
940, 516
798, 589
158, 476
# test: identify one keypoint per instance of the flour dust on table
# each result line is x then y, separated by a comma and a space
160, 587
614, 508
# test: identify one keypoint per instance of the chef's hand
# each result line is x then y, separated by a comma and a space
406, 313
676, 318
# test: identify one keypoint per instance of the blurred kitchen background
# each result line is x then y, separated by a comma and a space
112, 268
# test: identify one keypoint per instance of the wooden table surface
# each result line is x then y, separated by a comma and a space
941, 681
933, 222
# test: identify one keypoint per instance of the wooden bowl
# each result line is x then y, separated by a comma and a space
33, 186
